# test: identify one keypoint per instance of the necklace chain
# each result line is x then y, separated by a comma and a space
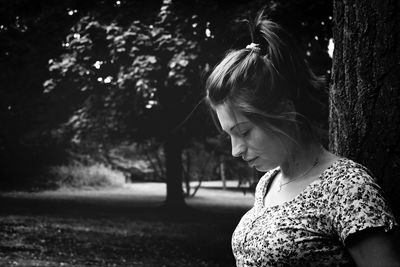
304, 174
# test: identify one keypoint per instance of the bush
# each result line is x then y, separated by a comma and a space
80, 176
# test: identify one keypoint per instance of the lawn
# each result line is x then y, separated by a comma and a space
118, 227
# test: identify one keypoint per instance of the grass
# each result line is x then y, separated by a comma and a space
118, 227
111, 242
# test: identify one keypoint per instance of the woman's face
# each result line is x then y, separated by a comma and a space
261, 148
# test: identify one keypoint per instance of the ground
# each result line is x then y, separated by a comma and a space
119, 227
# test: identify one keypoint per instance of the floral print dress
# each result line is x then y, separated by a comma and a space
311, 229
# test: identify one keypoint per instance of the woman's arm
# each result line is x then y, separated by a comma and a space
374, 247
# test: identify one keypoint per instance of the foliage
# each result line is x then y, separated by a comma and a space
136, 81
93, 74
78, 176
127, 77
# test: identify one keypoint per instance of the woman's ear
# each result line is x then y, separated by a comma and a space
286, 108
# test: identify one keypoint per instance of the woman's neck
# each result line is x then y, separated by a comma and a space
301, 160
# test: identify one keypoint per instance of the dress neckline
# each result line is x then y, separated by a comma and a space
268, 183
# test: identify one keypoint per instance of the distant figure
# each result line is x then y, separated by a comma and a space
312, 208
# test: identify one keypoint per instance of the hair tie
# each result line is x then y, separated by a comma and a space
254, 46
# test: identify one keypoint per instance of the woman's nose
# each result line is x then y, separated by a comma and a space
238, 147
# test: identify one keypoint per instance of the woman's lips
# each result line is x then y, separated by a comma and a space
252, 161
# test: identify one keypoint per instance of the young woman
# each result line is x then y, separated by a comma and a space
312, 208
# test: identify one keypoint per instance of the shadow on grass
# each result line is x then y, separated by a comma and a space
149, 209
77, 230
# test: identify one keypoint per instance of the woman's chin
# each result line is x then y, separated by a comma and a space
264, 168
260, 169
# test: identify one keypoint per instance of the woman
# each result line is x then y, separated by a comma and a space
312, 208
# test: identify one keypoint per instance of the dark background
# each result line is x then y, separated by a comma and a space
56, 105
95, 89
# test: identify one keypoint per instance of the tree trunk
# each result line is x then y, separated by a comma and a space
173, 157
222, 174
365, 96
187, 171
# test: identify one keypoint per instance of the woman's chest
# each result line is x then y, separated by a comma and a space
288, 222
290, 234
277, 193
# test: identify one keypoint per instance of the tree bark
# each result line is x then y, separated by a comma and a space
173, 157
222, 173
364, 96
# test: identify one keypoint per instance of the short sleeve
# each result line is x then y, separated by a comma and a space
356, 202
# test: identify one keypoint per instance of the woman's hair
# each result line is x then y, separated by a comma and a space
259, 79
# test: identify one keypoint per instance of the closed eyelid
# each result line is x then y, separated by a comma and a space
238, 127
244, 130
241, 133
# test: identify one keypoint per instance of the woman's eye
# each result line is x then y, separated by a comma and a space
245, 133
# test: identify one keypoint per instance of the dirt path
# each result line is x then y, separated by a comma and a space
118, 227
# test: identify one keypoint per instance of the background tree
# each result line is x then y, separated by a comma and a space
108, 72
365, 93
132, 80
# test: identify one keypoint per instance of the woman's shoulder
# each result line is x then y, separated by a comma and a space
347, 174
353, 199
344, 168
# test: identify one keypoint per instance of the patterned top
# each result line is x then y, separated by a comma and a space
311, 229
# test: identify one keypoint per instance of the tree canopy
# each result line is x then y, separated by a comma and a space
90, 75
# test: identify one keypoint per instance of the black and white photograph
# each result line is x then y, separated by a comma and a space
200, 133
